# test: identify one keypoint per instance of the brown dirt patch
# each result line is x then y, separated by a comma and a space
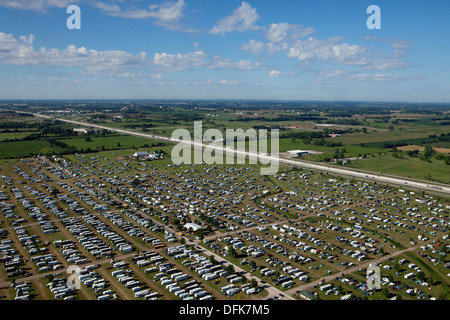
421, 149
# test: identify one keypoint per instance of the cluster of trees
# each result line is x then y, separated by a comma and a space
339, 153
305, 135
209, 220
443, 157
323, 142
427, 154
316, 138
45, 129
10, 131
60, 144
49, 129
19, 125
394, 145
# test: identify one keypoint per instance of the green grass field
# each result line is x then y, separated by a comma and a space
408, 167
109, 142
15, 135
17, 149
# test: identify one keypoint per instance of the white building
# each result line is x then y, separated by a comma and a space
297, 153
140, 154
192, 226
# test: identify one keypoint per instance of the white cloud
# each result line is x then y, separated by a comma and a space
385, 64
180, 62
347, 76
374, 77
27, 40
285, 37
21, 52
331, 50
400, 47
37, 5
328, 50
230, 82
183, 62
166, 14
254, 46
243, 65
210, 83
278, 32
332, 73
57, 79
278, 74
279, 36
274, 73
274, 48
242, 19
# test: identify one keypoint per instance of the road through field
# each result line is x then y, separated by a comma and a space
275, 160
353, 269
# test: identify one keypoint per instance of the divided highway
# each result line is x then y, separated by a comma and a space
380, 178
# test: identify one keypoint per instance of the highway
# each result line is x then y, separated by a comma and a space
271, 159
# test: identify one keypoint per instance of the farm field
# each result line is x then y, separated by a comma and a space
407, 167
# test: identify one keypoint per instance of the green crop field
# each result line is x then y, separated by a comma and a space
108, 142
4, 136
408, 167
17, 149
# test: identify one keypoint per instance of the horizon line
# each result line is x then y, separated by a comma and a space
220, 99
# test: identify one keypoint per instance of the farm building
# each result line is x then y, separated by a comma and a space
192, 226
298, 153
140, 154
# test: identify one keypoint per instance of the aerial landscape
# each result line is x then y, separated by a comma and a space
259, 160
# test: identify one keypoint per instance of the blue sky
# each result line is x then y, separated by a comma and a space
208, 49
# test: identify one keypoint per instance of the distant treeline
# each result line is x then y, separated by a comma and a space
142, 126
406, 142
294, 117
304, 117
51, 129
136, 106
19, 125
